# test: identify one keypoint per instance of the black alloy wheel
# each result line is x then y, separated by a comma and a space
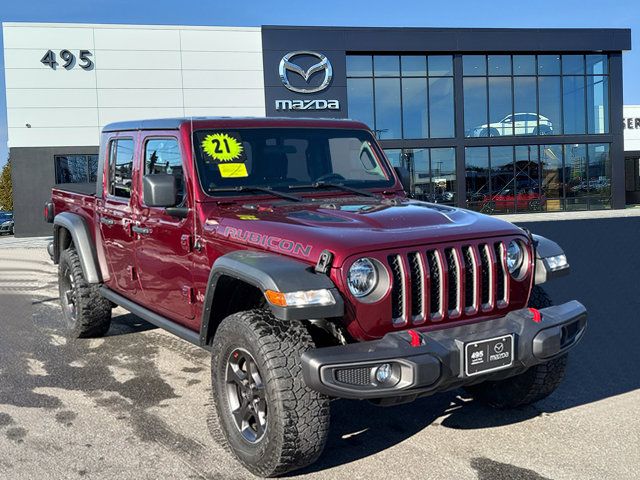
246, 395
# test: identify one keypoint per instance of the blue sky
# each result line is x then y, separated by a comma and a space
398, 13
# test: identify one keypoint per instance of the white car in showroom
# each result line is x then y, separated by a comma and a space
516, 124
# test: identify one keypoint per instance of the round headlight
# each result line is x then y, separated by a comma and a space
362, 277
515, 257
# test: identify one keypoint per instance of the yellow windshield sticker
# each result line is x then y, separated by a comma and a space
247, 217
222, 147
233, 170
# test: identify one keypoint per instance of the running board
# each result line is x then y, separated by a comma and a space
152, 317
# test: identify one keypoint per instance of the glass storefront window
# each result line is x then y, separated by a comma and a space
395, 157
499, 65
477, 177
386, 65
598, 104
388, 122
500, 107
552, 183
414, 65
527, 179
548, 64
415, 120
440, 66
572, 65
524, 64
549, 101
443, 175
408, 96
441, 113
577, 176
565, 96
475, 107
474, 65
573, 104
525, 121
503, 198
433, 172
359, 65
597, 64
359, 95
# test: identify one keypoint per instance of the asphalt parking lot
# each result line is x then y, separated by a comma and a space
134, 404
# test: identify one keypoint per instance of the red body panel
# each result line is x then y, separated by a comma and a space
164, 273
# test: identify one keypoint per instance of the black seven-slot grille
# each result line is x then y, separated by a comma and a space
447, 282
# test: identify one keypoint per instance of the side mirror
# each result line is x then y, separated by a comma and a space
405, 178
159, 190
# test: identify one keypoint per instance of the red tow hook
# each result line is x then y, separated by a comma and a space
537, 316
416, 338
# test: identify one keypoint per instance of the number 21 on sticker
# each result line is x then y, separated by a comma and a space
222, 147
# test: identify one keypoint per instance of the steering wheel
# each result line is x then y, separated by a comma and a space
329, 176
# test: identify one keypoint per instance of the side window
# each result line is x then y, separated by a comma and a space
162, 155
121, 167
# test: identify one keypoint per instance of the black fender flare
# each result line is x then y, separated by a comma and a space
82, 241
268, 271
546, 248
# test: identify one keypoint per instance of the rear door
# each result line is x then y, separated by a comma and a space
164, 242
115, 211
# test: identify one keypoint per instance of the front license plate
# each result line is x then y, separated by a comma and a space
488, 355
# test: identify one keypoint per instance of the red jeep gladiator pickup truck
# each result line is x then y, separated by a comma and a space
289, 249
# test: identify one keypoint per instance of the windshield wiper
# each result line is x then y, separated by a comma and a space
246, 188
339, 186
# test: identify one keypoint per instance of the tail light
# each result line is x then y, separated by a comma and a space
48, 212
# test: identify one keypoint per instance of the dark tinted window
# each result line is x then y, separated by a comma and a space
76, 168
121, 167
162, 155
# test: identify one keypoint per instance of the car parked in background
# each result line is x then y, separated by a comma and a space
516, 124
6, 223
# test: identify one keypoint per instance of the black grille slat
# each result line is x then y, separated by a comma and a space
500, 272
485, 264
434, 273
417, 278
397, 294
452, 272
469, 277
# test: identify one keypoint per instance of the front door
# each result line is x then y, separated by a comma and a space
115, 213
164, 242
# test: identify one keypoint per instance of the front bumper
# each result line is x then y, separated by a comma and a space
436, 363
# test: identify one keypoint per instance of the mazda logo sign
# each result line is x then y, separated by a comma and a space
286, 65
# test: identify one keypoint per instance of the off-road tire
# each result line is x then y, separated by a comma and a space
533, 385
92, 310
297, 422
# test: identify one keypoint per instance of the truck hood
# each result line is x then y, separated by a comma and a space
349, 226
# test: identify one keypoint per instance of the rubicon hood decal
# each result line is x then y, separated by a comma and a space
267, 241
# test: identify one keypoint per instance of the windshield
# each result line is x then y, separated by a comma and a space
284, 158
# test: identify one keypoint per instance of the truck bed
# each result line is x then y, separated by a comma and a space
83, 188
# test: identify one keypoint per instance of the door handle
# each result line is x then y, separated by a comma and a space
107, 221
140, 230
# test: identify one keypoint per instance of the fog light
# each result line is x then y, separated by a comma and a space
384, 373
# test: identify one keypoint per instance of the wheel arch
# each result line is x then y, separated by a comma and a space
254, 273
68, 229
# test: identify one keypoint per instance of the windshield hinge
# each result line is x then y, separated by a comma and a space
324, 262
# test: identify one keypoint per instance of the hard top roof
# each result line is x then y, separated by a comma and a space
230, 122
